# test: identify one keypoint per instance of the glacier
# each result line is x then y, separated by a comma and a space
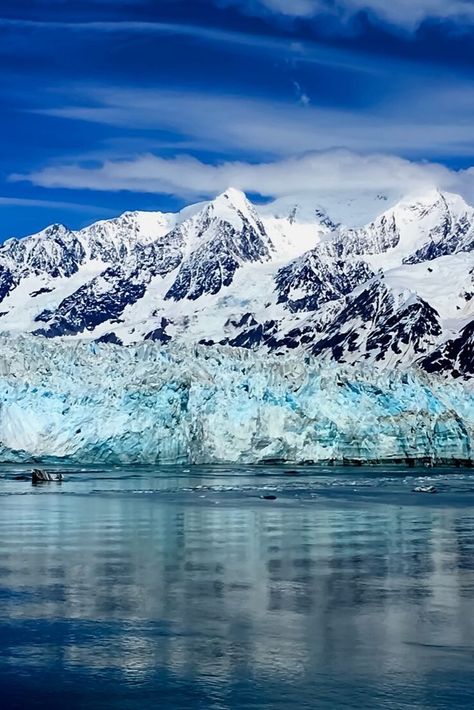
90, 403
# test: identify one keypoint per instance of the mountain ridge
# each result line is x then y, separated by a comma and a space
394, 292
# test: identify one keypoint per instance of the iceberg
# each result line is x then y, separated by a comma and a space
78, 402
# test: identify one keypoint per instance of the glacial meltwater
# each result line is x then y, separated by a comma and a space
242, 587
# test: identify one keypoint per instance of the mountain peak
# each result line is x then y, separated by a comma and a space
428, 199
53, 230
232, 199
232, 194
233, 207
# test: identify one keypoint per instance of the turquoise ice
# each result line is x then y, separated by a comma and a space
150, 404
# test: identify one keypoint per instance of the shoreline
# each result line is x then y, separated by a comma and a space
347, 463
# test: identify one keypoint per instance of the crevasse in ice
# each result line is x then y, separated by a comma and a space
148, 404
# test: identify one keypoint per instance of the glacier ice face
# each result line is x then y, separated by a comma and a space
93, 403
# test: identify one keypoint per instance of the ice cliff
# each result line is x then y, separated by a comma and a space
99, 403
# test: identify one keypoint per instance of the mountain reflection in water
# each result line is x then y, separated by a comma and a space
141, 590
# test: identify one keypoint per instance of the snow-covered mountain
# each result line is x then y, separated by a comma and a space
294, 275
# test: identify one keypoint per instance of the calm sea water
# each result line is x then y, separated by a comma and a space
125, 588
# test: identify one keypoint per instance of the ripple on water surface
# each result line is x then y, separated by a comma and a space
184, 588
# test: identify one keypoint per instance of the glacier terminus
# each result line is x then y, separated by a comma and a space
99, 403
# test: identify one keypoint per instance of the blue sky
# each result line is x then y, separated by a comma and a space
110, 105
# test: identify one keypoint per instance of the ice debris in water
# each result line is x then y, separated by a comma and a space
425, 489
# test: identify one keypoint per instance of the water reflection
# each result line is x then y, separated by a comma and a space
132, 602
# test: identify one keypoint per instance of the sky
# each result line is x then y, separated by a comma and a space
115, 105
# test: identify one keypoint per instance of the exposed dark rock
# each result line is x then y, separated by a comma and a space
317, 282
40, 291
372, 325
40, 476
159, 335
111, 338
455, 357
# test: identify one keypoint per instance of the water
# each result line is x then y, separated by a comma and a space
176, 588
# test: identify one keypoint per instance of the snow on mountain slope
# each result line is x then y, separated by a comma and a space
35, 294
451, 233
416, 229
283, 276
446, 283
39, 265
105, 297
226, 234
379, 324
57, 251
114, 239
147, 404
338, 207
309, 282
295, 227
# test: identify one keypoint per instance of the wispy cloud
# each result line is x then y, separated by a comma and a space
405, 14
301, 94
131, 26
283, 48
430, 124
329, 171
6, 201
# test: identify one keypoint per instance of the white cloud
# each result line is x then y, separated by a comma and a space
334, 171
406, 14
